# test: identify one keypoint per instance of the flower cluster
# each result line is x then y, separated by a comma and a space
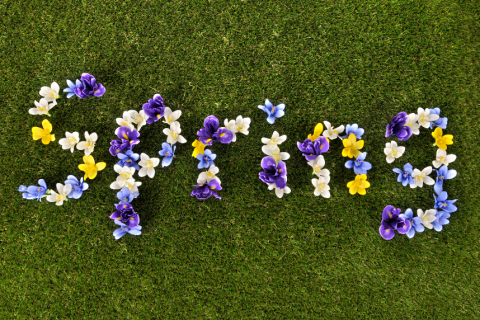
211, 132
87, 86
275, 169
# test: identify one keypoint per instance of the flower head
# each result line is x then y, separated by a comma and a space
352, 146
275, 140
78, 186
427, 218
124, 121
443, 174
128, 136
442, 140
317, 132
71, 88
118, 146
206, 159
275, 153
396, 127
358, 132
148, 164
273, 172
173, 134
211, 125
332, 133
123, 230
89, 144
441, 219
199, 148
242, 124
273, 111
425, 117
391, 221
412, 123
34, 192
139, 118
124, 173
89, 87
168, 152
90, 168
441, 122
416, 223
206, 190
420, 177
318, 165
313, 149
42, 107
442, 203
171, 117
360, 166
129, 183
223, 135
443, 158
50, 93
393, 151
63, 192
154, 109
126, 196
128, 159
126, 215
405, 175
321, 186
279, 192
70, 140
232, 126
209, 175
359, 185
45, 133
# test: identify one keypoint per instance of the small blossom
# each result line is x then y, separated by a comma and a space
243, 124
321, 186
125, 121
89, 144
50, 93
273, 172
89, 87
206, 159
276, 154
393, 151
359, 185
311, 150
232, 126
171, 117
279, 192
427, 218
441, 122
416, 223
442, 140
425, 117
173, 134
332, 133
273, 111
397, 127
441, 219
443, 174
42, 107
128, 159
442, 203
275, 140
420, 177
129, 136
199, 148
78, 186
120, 183
360, 166
71, 88
125, 196
443, 158
70, 141
391, 221
168, 152
205, 177
318, 165
412, 122
124, 173
405, 175
352, 146
139, 118
124, 229
205, 191
317, 132
45, 133
34, 192
63, 192
154, 109
90, 168
126, 215
358, 132
148, 164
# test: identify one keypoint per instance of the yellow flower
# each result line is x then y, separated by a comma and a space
90, 168
317, 132
352, 146
442, 141
359, 184
44, 134
199, 148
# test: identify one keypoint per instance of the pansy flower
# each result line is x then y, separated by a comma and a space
442, 203
360, 166
358, 185
443, 174
63, 192
206, 159
168, 152
34, 192
125, 214
45, 133
391, 221
442, 140
352, 146
78, 186
124, 229
397, 127
206, 190
71, 88
154, 109
405, 175
50, 93
273, 172
312, 149
416, 223
273, 111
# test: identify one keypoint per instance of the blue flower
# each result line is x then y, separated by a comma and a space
125, 196
405, 175
443, 174
128, 159
442, 203
168, 152
71, 88
206, 159
441, 122
360, 166
415, 222
77, 186
34, 192
123, 230
441, 219
273, 111
358, 132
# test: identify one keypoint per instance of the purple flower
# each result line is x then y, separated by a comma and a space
405, 175
223, 135
441, 122
206, 159
273, 111
313, 149
34, 192
415, 222
205, 191
78, 90
205, 135
274, 173
392, 221
77, 187
88, 87
442, 203
128, 159
126, 215
128, 135
123, 230
443, 174
154, 109
118, 146
360, 166
441, 219
396, 127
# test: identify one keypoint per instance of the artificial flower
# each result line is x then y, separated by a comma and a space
427, 218
275, 140
77, 187
358, 185
360, 166
391, 221
317, 132
119, 146
129, 136
313, 149
124, 229
148, 164
211, 125
124, 173
396, 127
358, 132
89, 144
139, 118
168, 152
442, 203
443, 158
205, 177
332, 133
173, 134
441, 122
45, 133
425, 117
34, 192
125, 121
273, 111
90, 168
441, 219
275, 153
278, 191
89, 87
171, 117
199, 148
125, 196
63, 192
318, 165
274, 173
125, 214
70, 140
405, 175
223, 135
206, 159
128, 159
42, 107
120, 183
50, 93
393, 151
352, 146
443, 174
206, 190
243, 124
442, 140
321, 186
71, 88
412, 122
154, 109
232, 126
420, 177
416, 223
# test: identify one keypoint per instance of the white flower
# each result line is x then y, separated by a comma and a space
63, 191
173, 134
412, 123
332, 133
129, 183
232, 126
276, 154
318, 165
42, 107
70, 141
279, 192
140, 118
124, 173
50, 93
321, 186
209, 175
125, 121
274, 141
148, 164
424, 117
420, 177
243, 124
443, 158
89, 144
428, 217
171, 117
393, 151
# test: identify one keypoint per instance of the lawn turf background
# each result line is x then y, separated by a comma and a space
250, 255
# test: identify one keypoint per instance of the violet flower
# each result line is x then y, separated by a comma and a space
207, 135
313, 149
126, 196
274, 173
168, 152
126, 215
443, 174
71, 88
223, 135
89, 87
206, 190
34, 192
128, 135
206, 159
405, 175
123, 230
416, 223
118, 146
78, 186
397, 127
358, 132
273, 111
441, 122
392, 221
154, 109
360, 166
128, 159
441, 219
441, 203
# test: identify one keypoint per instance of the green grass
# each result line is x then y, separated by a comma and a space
250, 255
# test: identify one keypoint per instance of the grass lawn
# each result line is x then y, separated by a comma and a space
249, 255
